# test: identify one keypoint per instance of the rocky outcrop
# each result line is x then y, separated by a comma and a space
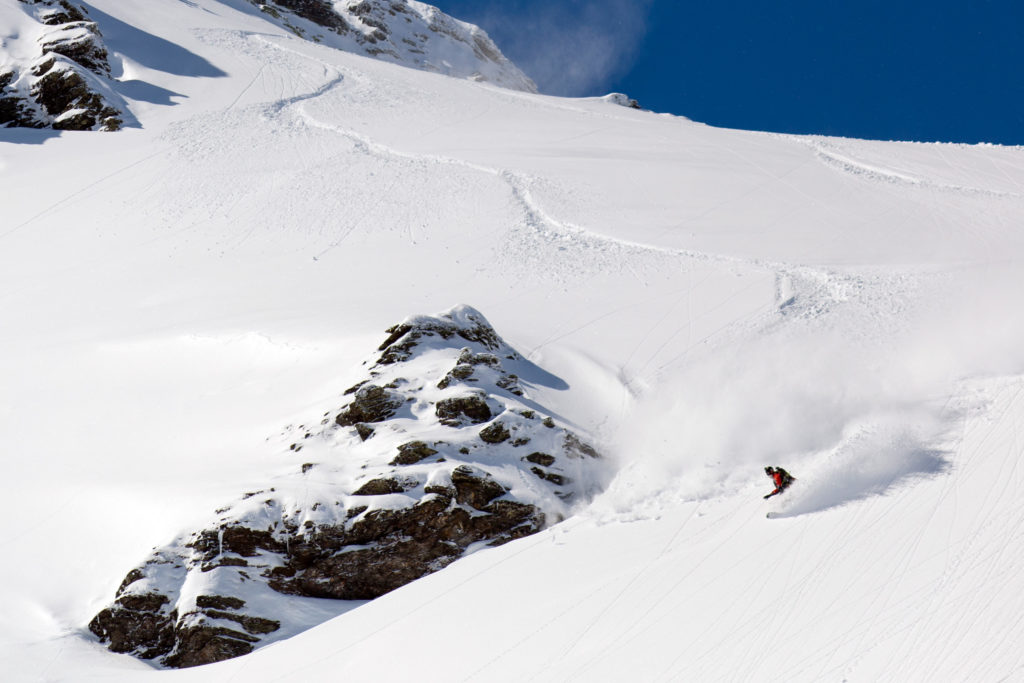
402, 31
371, 404
66, 85
423, 461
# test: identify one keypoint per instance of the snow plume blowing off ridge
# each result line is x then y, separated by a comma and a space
571, 48
851, 410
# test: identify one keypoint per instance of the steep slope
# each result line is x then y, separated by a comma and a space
916, 585
55, 65
403, 31
714, 301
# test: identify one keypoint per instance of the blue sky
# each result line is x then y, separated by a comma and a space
884, 69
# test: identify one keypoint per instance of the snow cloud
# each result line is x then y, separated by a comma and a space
571, 47
852, 406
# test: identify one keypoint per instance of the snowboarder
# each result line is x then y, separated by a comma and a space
781, 477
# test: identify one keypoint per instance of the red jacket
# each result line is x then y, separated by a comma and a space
777, 476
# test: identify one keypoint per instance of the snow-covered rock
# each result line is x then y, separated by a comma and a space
621, 99
403, 31
437, 452
54, 71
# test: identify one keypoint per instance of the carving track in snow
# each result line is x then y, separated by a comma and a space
717, 301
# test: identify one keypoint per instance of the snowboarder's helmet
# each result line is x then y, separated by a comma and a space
768, 470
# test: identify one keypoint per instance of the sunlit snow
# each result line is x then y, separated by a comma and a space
715, 301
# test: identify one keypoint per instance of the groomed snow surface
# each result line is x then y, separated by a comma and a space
715, 301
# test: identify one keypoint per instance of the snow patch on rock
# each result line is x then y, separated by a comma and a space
54, 71
438, 451
402, 31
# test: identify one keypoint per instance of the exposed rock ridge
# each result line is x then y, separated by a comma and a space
65, 86
402, 31
437, 451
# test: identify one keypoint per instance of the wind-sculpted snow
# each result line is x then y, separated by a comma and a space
439, 451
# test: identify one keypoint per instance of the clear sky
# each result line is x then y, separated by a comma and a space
887, 69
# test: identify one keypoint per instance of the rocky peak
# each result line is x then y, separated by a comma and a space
402, 31
437, 451
64, 82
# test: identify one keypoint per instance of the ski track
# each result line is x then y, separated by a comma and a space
893, 613
846, 164
829, 286
817, 292
814, 291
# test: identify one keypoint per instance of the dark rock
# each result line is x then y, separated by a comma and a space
82, 49
474, 488
146, 633
404, 338
467, 357
133, 576
471, 408
60, 96
371, 404
253, 625
364, 431
224, 561
380, 487
396, 353
446, 491
539, 458
238, 539
460, 372
548, 422
353, 389
13, 110
519, 518
510, 383
219, 602
556, 479
412, 452
200, 645
67, 14
495, 433
148, 602
61, 90
318, 11
404, 544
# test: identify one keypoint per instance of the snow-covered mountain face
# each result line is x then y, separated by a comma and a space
402, 31
55, 73
713, 301
439, 450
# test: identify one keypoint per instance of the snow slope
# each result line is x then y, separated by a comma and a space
715, 301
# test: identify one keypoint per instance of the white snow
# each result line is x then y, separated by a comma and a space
714, 300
